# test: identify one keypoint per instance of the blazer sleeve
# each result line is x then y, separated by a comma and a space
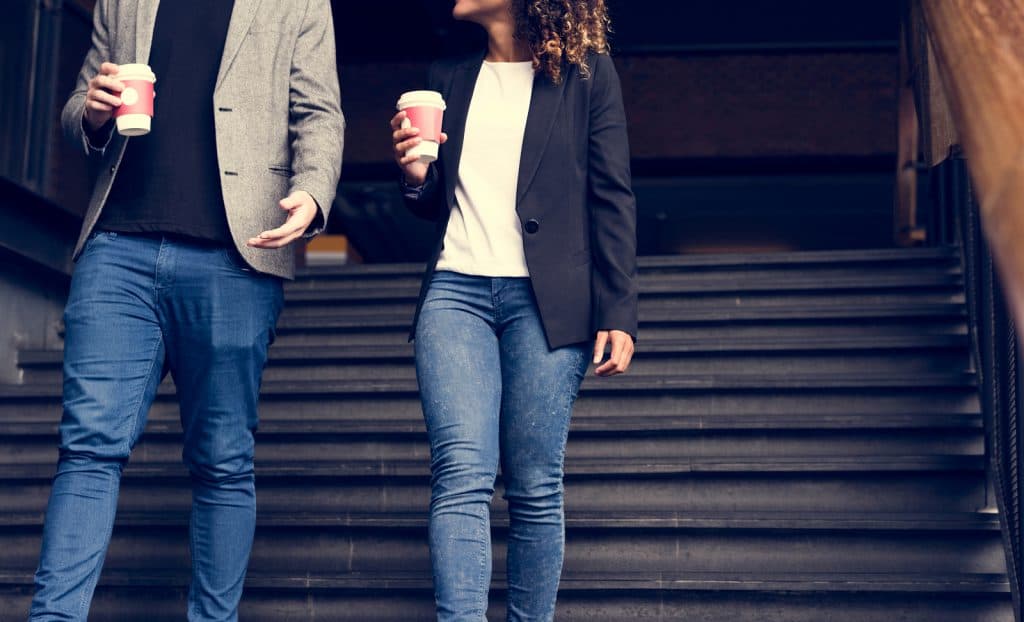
316, 123
427, 200
611, 203
94, 144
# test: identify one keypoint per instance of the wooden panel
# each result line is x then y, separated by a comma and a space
761, 105
981, 59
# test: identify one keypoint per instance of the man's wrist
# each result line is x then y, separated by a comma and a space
98, 137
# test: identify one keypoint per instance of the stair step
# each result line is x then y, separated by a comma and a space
332, 554
160, 603
321, 303
393, 332
283, 355
575, 467
696, 447
766, 307
963, 583
294, 389
678, 316
751, 492
682, 357
685, 285
625, 520
807, 408
862, 258
857, 260
28, 421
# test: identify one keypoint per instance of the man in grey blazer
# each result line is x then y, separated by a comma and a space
180, 266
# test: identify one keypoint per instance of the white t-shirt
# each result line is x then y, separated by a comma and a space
484, 235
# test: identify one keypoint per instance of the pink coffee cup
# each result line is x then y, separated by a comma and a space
135, 114
425, 111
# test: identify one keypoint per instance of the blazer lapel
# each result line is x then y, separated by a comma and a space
145, 20
544, 104
242, 16
460, 94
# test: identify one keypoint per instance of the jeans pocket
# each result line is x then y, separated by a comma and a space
233, 259
97, 238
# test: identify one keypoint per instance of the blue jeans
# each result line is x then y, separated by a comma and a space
492, 391
139, 306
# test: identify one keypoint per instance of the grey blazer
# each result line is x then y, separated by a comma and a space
277, 112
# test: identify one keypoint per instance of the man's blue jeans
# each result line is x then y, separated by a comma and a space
492, 390
139, 306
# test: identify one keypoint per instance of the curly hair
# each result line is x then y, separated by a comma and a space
558, 30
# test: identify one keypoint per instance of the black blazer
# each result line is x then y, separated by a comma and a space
574, 198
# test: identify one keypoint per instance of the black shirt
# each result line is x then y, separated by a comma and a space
169, 180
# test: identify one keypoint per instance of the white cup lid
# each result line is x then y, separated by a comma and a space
135, 71
421, 98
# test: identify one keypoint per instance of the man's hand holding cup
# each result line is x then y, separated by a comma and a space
124, 92
103, 96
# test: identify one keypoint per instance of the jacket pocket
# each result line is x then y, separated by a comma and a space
580, 258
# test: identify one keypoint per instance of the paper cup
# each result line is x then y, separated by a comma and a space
135, 114
425, 110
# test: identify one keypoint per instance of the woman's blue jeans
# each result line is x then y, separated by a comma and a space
493, 392
140, 305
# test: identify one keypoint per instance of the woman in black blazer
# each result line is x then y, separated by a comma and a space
534, 269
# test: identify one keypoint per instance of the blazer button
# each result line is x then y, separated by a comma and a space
532, 226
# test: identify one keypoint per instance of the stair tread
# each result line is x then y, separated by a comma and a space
682, 285
329, 353
741, 381
717, 260
639, 423
400, 320
849, 521
577, 581
575, 467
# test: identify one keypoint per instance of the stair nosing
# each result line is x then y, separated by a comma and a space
650, 287
42, 358
717, 260
747, 315
575, 468
626, 383
582, 424
965, 583
582, 521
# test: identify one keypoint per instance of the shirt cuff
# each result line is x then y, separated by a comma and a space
410, 191
102, 135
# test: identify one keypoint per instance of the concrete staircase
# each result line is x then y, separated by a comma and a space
799, 440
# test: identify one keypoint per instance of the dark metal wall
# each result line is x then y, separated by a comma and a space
16, 59
42, 43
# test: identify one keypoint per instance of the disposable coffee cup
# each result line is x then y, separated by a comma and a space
135, 114
424, 110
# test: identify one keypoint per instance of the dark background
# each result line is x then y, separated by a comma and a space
754, 125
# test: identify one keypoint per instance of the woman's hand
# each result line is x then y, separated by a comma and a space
403, 139
622, 352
